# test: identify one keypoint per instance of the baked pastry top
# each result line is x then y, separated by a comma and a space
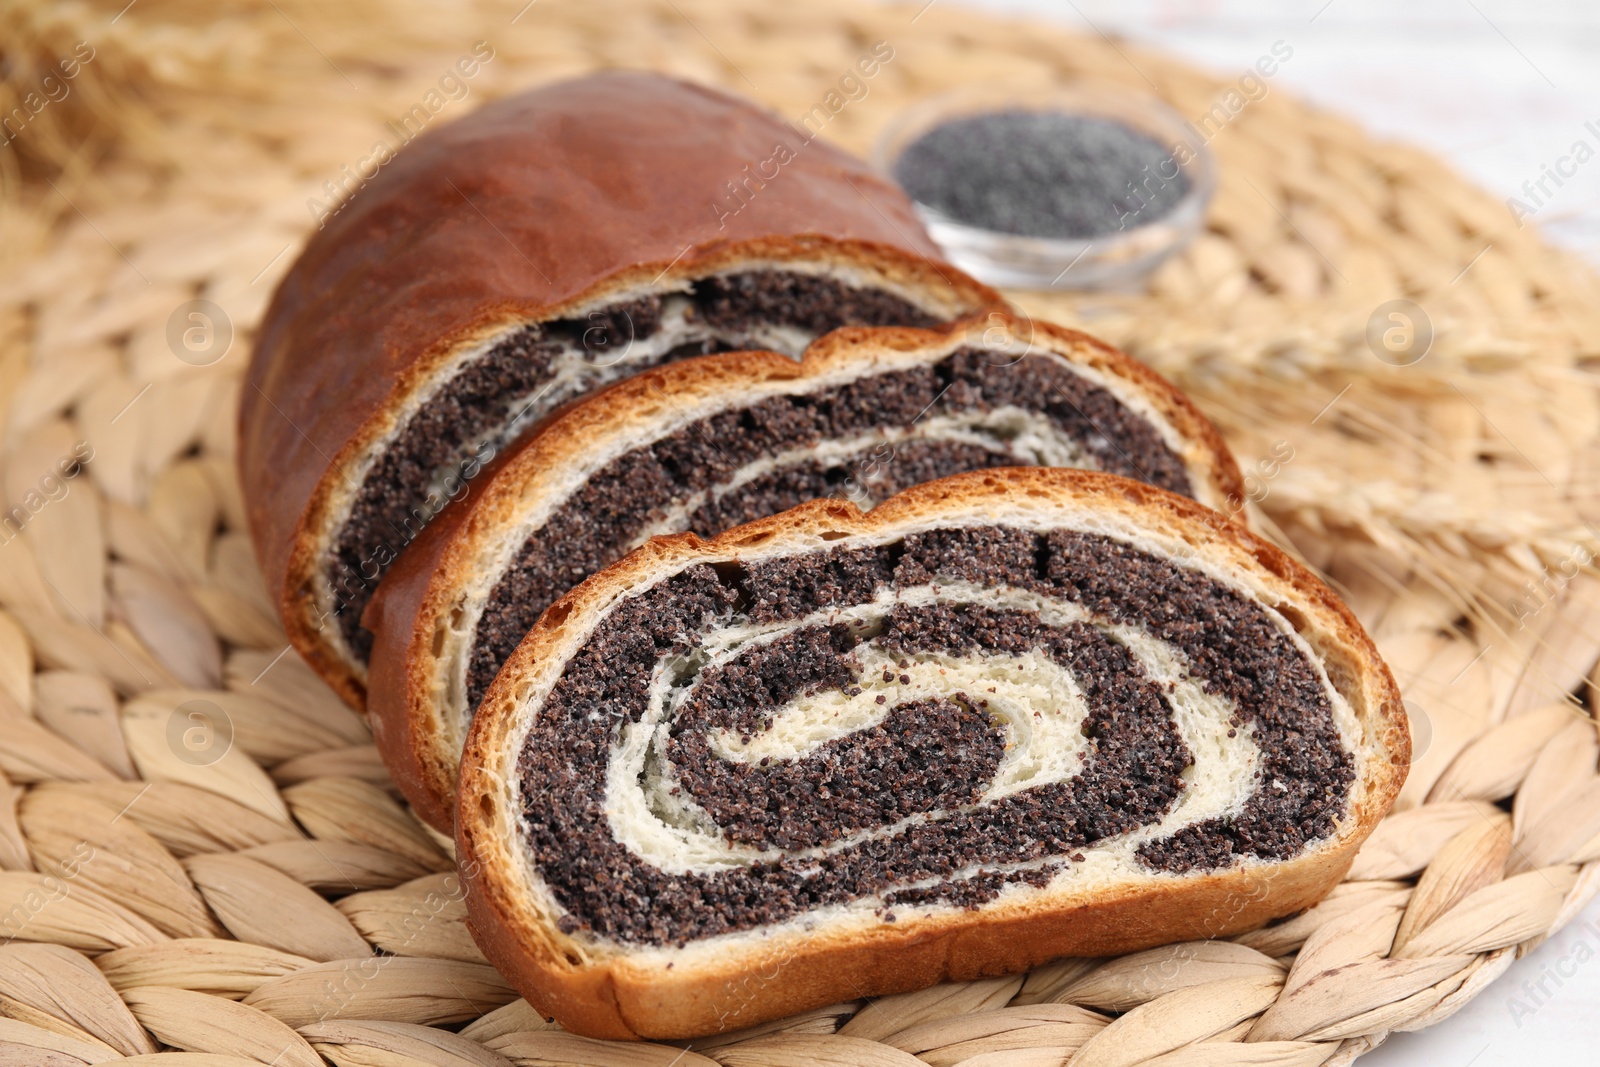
503, 264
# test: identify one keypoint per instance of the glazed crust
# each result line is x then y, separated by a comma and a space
620, 998
530, 207
419, 594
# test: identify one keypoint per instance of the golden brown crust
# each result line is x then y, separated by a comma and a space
423, 588
530, 206
617, 998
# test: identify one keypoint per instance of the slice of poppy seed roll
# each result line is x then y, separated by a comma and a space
710, 443
1003, 717
503, 264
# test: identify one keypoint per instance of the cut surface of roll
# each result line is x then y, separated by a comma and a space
1003, 717
506, 263
710, 443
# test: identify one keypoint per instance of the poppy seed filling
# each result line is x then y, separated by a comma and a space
710, 463
901, 810
500, 394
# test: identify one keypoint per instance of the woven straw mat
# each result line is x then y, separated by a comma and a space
270, 901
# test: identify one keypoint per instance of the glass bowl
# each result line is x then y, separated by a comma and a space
1116, 259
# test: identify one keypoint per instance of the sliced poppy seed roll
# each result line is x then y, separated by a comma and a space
1003, 717
506, 263
710, 443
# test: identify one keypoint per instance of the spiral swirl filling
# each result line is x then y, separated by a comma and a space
864, 440
498, 394
961, 713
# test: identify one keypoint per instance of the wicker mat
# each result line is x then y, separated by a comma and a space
199, 849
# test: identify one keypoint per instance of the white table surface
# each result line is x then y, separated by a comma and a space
1501, 89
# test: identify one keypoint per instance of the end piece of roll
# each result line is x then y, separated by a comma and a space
1003, 717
